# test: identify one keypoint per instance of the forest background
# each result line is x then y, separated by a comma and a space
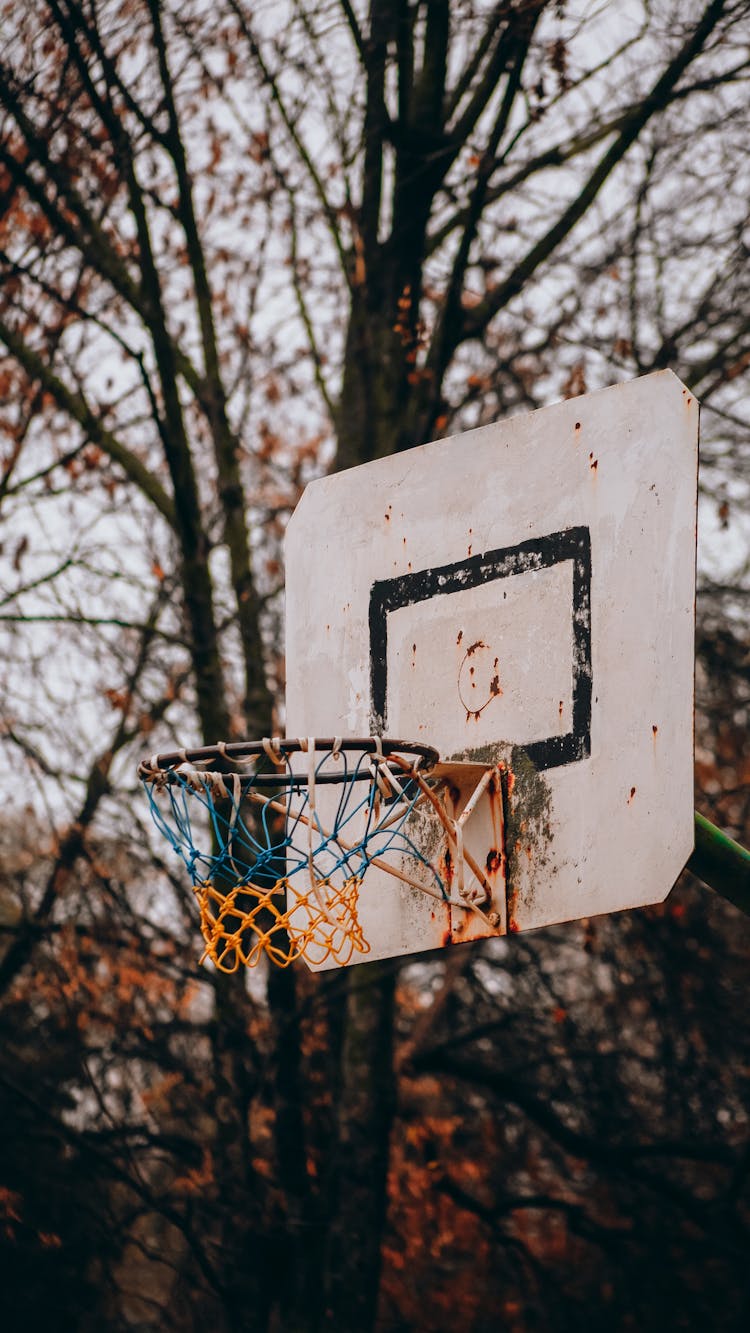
241, 245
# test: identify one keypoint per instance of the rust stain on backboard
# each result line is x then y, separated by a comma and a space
478, 682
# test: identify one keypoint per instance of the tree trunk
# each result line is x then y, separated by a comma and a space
359, 1182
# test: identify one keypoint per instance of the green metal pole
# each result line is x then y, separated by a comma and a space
721, 863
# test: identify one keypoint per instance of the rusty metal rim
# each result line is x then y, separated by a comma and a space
166, 765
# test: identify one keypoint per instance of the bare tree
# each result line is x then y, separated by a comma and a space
237, 246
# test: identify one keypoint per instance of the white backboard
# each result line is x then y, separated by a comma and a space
522, 592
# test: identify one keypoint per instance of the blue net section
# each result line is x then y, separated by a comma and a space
278, 841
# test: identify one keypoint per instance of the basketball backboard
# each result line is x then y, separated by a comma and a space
523, 593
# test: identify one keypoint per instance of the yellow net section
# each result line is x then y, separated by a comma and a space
283, 923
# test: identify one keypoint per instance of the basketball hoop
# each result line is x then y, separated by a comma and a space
278, 835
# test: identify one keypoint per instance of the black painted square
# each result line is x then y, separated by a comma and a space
574, 544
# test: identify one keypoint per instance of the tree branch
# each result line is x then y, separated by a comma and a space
75, 405
659, 97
